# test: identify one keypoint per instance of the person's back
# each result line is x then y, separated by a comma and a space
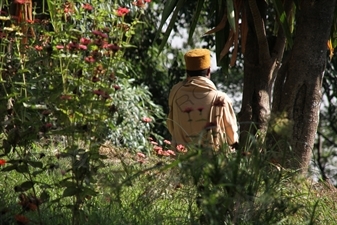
199, 113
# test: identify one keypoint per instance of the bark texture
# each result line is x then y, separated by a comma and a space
297, 92
261, 63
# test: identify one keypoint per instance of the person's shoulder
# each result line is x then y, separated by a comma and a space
224, 96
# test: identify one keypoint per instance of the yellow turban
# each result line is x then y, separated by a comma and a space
198, 59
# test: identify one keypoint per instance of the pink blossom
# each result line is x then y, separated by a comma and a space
65, 97
87, 7
85, 41
171, 152
154, 143
122, 11
146, 120
59, 47
141, 155
167, 142
82, 47
157, 148
38, 47
89, 59
181, 148
100, 33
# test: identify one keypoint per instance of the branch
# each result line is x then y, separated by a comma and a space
260, 31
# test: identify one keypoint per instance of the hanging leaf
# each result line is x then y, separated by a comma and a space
220, 26
70, 191
195, 18
168, 8
283, 20
227, 46
231, 14
244, 31
24, 186
180, 4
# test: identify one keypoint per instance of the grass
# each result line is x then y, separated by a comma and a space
235, 190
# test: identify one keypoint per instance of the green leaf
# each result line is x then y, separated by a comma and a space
24, 186
22, 168
70, 191
9, 168
168, 8
67, 183
231, 14
169, 28
44, 196
283, 20
195, 19
35, 164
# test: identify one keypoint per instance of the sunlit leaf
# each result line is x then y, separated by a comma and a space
220, 26
171, 24
283, 20
24, 186
70, 191
195, 19
168, 9
231, 14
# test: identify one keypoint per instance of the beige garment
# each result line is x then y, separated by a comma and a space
200, 114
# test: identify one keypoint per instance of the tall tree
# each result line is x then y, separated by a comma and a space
284, 60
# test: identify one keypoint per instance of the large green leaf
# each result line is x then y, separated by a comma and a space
169, 28
168, 9
195, 18
283, 20
231, 14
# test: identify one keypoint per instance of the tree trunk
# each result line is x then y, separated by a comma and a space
297, 92
261, 62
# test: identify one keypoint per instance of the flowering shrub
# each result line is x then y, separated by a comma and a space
64, 77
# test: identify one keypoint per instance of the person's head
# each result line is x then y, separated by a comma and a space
198, 62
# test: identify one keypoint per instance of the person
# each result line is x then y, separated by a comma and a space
199, 113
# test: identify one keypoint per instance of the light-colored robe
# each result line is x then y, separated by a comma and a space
200, 114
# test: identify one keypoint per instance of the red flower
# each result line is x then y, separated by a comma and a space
2, 162
171, 152
59, 47
153, 142
82, 47
72, 46
21, 219
181, 148
87, 7
100, 33
101, 93
117, 87
188, 110
200, 109
85, 41
122, 11
95, 79
89, 59
112, 47
38, 47
65, 97
140, 155
167, 142
157, 148
147, 0
146, 120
